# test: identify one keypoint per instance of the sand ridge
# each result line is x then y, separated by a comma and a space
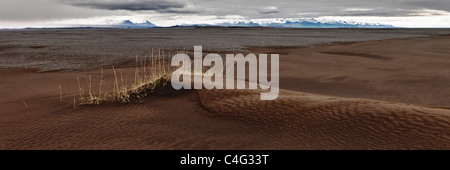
315, 121
326, 101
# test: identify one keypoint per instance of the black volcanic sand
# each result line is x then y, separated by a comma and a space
90, 49
388, 94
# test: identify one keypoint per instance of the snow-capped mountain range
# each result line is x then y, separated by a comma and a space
277, 23
129, 24
310, 23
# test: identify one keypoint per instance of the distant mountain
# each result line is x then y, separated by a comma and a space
239, 24
314, 23
129, 24
224, 24
304, 23
275, 23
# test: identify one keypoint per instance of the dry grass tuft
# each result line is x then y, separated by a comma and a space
150, 74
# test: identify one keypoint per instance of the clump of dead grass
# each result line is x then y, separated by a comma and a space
152, 72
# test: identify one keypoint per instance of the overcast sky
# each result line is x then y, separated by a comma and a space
49, 13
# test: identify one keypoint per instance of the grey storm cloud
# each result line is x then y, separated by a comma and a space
269, 10
56, 9
263, 8
131, 5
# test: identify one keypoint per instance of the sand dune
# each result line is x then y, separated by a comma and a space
234, 119
413, 70
311, 121
326, 102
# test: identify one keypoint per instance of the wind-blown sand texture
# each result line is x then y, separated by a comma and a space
387, 94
